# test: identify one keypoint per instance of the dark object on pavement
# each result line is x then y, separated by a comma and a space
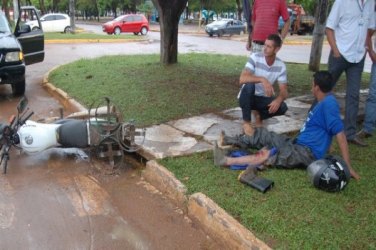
250, 178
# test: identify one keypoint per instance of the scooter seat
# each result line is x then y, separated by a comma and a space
73, 133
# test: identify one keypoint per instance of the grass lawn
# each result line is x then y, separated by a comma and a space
292, 216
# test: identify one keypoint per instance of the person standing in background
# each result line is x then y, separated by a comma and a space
346, 31
265, 15
370, 110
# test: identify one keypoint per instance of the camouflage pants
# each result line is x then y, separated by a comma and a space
290, 155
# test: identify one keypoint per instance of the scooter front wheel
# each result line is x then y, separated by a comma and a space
4, 160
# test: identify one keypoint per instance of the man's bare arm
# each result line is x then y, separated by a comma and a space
283, 93
276, 103
343, 146
369, 45
285, 29
332, 41
249, 42
247, 77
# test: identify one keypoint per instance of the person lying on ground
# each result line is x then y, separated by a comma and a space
322, 124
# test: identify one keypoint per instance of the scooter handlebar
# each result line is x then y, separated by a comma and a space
22, 122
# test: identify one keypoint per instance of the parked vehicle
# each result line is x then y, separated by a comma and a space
55, 22
225, 26
135, 23
19, 48
301, 23
100, 129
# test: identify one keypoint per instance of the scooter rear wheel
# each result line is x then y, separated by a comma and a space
110, 151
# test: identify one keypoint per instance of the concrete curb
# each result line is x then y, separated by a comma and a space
166, 182
216, 222
67, 101
62, 41
196, 32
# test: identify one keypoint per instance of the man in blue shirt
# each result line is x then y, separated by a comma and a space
322, 124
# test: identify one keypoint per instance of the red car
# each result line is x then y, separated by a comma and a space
136, 23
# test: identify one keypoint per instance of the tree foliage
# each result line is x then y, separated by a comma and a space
216, 5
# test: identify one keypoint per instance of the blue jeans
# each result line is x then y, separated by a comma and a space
249, 101
370, 112
353, 76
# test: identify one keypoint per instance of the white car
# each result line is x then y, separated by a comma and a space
55, 22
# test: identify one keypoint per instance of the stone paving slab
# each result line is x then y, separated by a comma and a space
197, 134
165, 141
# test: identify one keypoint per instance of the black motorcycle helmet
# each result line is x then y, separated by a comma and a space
330, 174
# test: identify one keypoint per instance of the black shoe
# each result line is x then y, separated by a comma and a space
357, 141
362, 134
219, 155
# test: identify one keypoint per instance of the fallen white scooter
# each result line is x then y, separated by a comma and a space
100, 128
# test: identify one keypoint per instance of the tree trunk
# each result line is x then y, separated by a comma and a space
169, 13
72, 13
96, 9
240, 9
42, 7
5, 8
318, 35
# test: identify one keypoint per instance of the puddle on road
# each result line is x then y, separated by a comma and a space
7, 208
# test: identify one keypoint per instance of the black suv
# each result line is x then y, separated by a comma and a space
19, 48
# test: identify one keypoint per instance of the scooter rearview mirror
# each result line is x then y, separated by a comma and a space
22, 104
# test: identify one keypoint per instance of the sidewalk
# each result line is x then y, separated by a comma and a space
200, 31
196, 134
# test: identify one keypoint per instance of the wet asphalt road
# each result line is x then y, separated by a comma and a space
56, 200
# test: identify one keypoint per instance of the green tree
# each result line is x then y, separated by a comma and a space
216, 5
